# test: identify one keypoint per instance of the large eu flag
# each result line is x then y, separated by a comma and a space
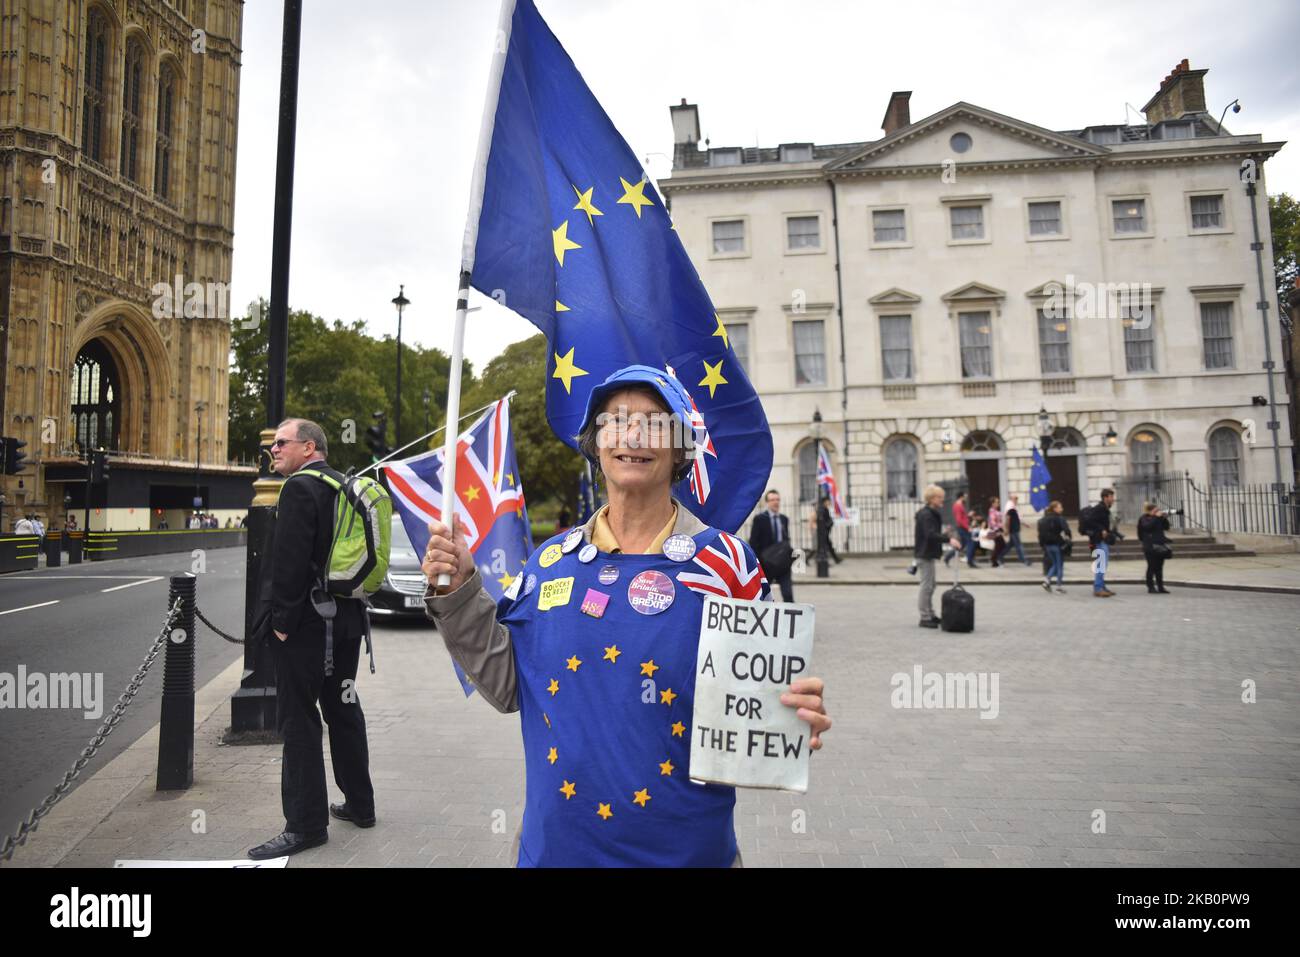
574, 237
1039, 478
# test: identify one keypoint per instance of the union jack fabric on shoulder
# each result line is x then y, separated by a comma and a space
826, 481
729, 569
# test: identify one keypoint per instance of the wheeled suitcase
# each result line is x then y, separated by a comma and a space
958, 605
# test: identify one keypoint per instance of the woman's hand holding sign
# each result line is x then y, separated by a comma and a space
806, 695
447, 554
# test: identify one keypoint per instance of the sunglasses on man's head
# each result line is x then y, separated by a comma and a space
281, 443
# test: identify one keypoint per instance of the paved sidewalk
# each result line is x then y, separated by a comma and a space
1132, 707
1279, 573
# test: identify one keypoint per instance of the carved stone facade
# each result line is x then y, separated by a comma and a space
117, 173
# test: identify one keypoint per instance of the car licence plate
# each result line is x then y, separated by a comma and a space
414, 601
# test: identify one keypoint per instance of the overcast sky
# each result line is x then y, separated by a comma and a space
391, 97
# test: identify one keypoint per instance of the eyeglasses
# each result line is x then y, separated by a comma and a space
281, 443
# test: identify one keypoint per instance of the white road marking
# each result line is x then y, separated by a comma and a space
29, 607
64, 578
143, 581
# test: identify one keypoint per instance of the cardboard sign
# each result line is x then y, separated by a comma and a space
741, 734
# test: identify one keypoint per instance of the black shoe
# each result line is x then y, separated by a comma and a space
1150, 590
929, 623
288, 842
344, 813
1162, 591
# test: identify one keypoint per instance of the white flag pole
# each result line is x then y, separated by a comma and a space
467, 265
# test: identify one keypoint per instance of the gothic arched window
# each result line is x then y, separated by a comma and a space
94, 96
96, 398
132, 98
162, 167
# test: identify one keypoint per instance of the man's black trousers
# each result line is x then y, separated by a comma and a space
301, 682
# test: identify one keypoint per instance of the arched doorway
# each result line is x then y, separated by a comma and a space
1067, 461
984, 462
96, 398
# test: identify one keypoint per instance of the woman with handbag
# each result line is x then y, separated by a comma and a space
1054, 536
1155, 546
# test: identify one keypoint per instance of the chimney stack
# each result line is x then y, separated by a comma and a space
1181, 92
898, 114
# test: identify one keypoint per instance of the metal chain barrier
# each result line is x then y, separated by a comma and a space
12, 843
230, 638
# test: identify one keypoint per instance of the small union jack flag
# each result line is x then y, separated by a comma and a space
826, 481
729, 569
699, 480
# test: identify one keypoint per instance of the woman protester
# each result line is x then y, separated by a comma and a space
592, 616
1155, 546
996, 531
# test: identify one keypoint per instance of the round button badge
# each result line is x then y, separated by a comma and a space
587, 554
651, 592
571, 541
679, 548
608, 575
529, 584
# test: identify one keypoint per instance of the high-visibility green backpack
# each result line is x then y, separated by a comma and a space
363, 530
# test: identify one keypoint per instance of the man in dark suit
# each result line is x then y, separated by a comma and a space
303, 533
770, 527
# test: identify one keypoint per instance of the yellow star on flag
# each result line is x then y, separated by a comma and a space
471, 493
721, 331
510, 479
640, 797
560, 307
666, 697
574, 662
546, 718
561, 241
635, 195
568, 790
553, 687
604, 811
565, 370
678, 728
611, 654
649, 668
553, 756
666, 768
584, 204
506, 579
713, 377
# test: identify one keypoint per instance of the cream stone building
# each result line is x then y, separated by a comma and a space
117, 180
944, 292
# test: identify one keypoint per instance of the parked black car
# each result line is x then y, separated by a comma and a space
402, 593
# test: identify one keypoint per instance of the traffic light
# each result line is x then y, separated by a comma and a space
377, 437
99, 467
14, 460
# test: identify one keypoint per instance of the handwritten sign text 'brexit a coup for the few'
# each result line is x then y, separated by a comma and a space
750, 652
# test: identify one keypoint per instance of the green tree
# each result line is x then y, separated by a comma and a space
1284, 219
549, 468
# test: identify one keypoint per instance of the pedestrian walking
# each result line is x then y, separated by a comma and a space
304, 532
608, 776
996, 530
825, 525
769, 537
1011, 520
961, 518
1095, 522
1053, 535
1155, 546
930, 538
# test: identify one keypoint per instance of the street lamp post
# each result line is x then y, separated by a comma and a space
400, 301
1044, 429
199, 408
823, 559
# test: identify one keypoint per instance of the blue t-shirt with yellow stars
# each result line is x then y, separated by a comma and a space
605, 650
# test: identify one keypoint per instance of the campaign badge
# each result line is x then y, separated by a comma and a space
550, 555
587, 554
679, 548
608, 575
513, 591
529, 584
651, 592
555, 593
571, 541
594, 603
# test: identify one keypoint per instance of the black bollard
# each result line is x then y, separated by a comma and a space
176, 730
